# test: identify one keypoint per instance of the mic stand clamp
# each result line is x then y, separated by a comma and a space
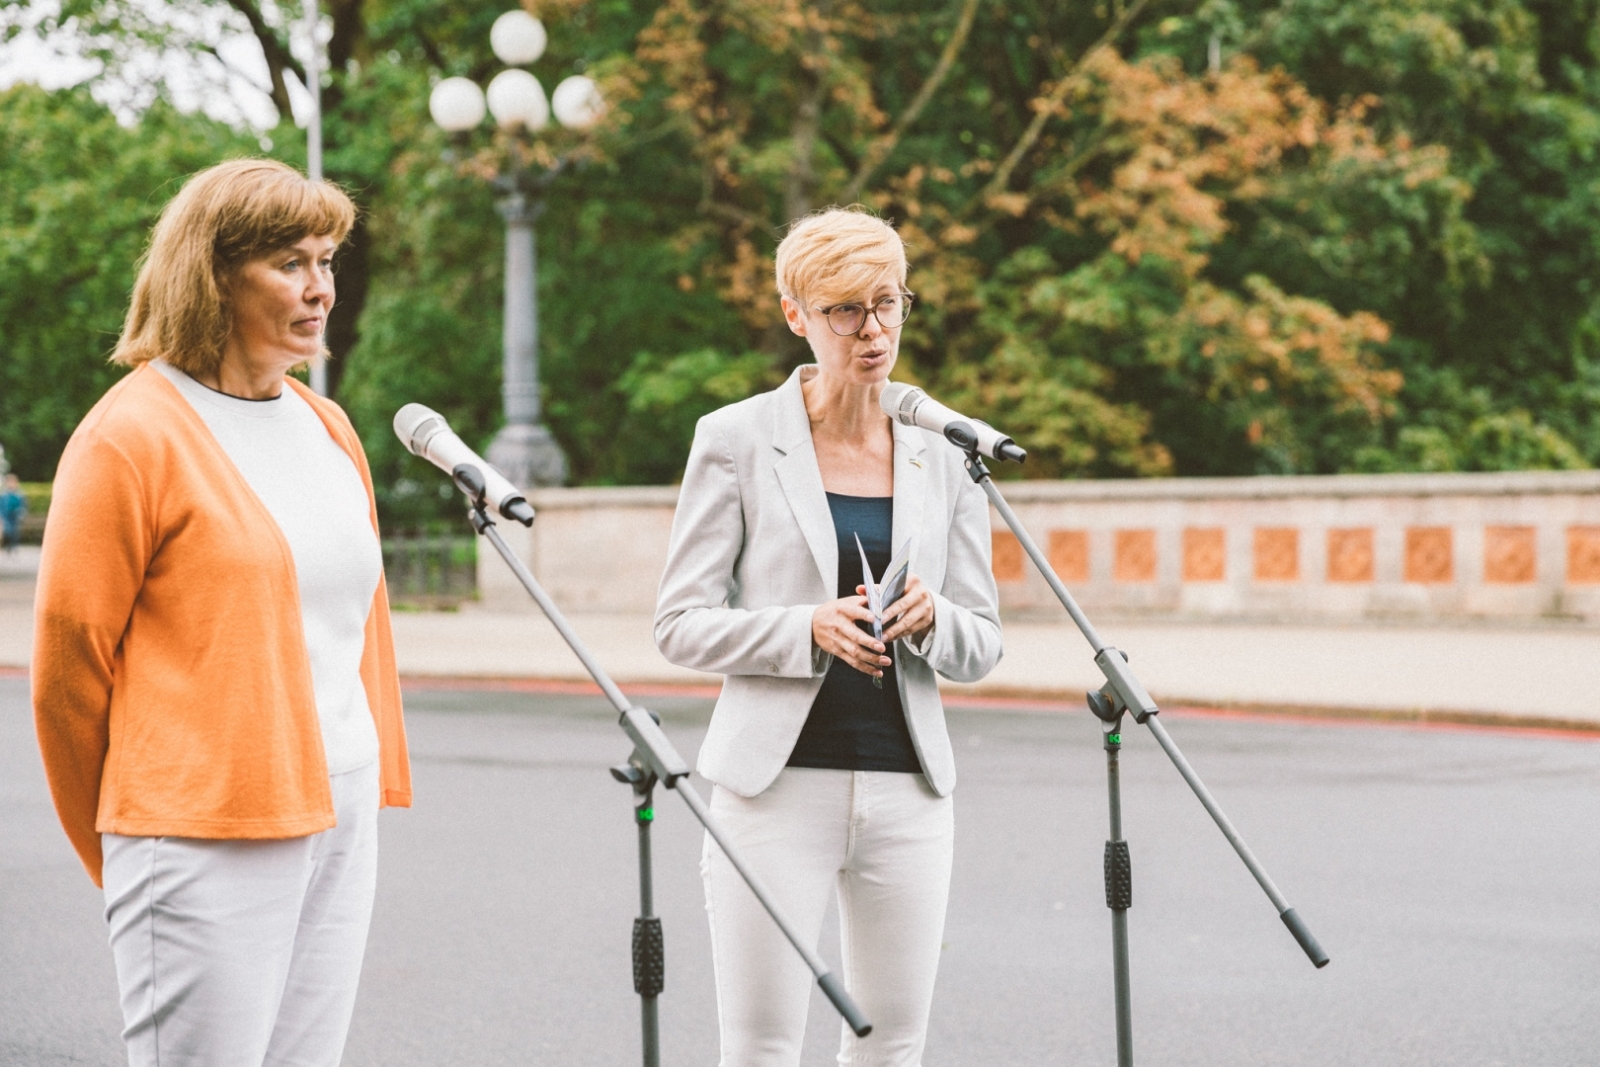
469, 479
653, 760
1123, 694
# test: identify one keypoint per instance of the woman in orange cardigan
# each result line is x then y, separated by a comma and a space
214, 681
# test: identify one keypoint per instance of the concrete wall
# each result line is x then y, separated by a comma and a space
1402, 546
593, 550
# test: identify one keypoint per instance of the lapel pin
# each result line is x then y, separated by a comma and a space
914, 462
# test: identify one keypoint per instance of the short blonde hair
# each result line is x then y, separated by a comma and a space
836, 254
222, 217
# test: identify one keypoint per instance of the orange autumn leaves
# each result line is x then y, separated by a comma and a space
1102, 288
1182, 153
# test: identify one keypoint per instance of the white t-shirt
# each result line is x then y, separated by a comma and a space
312, 489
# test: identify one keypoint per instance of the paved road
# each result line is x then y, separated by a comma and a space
1453, 876
1538, 670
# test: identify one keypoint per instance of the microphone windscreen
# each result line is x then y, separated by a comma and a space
408, 420
899, 401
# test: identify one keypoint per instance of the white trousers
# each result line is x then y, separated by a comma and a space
238, 953
883, 841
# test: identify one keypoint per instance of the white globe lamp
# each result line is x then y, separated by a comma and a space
517, 99
517, 38
577, 102
456, 104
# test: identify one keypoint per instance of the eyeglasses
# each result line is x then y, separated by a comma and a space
890, 311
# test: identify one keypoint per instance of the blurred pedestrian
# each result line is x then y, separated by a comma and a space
214, 679
823, 779
13, 509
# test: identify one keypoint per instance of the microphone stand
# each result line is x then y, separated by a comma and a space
653, 760
1123, 694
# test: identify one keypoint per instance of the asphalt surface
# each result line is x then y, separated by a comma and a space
1453, 876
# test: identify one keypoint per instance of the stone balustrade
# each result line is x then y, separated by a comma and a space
1516, 545
1520, 545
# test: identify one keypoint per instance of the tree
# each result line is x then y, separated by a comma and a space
125, 35
1155, 237
1498, 337
1067, 209
82, 195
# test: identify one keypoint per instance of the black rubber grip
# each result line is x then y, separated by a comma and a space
847, 1007
1119, 876
649, 958
1302, 934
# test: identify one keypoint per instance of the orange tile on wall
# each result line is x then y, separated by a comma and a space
1583, 555
1205, 554
1277, 555
1350, 554
1069, 554
1007, 553
1135, 558
1510, 554
1430, 556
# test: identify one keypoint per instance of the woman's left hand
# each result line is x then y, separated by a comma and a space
912, 613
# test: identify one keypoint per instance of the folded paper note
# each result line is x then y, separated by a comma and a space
882, 594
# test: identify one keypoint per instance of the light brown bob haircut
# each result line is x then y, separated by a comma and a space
222, 217
836, 255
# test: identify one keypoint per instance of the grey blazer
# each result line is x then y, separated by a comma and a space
753, 552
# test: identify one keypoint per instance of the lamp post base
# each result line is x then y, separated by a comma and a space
528, 456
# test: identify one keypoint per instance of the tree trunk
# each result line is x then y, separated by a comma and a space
786, 348
352, 285
347, 43
807, 120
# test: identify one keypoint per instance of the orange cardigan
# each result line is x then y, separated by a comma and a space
171, 688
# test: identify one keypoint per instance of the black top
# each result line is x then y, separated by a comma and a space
853, 725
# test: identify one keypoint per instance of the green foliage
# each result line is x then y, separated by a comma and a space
1497, 332
37, 497
430, 328
1497, 441
612, 287
666, 397
1368, 240
82, 193
1033, 370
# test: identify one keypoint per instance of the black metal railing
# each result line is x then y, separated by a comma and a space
431, 572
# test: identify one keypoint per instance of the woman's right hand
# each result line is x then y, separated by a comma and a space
834, 629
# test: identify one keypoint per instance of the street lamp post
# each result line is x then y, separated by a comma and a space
319, 366
524, 449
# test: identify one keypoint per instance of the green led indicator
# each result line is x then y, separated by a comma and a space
1116, 739
647, 814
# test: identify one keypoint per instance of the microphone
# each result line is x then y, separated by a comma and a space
425, 433
913, 407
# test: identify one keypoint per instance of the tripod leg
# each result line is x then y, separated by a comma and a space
1119, 894
1129, 694
1290, 917
829, 983
649, 958
655, 756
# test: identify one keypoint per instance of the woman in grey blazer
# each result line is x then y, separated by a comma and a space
830, 762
